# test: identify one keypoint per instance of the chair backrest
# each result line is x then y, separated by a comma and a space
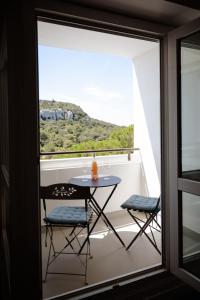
64, 191
158, 206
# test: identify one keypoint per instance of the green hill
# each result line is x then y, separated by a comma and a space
79, 132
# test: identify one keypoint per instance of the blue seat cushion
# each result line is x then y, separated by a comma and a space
142, 203
72, 215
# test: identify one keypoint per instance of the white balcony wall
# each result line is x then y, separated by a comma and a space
146, 90
130, 172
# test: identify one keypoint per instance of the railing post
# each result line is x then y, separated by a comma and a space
129, 155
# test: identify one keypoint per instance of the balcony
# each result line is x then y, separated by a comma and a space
110, 259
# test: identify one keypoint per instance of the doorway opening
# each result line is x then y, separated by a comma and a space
100, 94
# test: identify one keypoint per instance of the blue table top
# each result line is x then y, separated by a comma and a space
102, 181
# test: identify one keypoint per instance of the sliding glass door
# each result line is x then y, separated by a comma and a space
184, 133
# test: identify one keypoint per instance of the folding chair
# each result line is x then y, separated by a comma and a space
76, 218
150, 207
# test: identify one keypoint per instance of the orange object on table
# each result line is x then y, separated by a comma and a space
94, 169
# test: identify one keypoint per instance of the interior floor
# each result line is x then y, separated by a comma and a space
191, 251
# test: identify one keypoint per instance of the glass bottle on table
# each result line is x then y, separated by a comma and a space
94, 168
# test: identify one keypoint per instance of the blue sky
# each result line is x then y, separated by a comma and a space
101, 84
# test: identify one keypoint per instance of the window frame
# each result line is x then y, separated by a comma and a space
96, 20
67, 21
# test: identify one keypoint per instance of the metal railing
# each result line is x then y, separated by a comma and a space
86, 152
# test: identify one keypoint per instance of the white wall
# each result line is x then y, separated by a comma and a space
146, 89
132, 180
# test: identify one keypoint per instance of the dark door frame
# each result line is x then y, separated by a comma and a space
25, 245
177, 184
93, 24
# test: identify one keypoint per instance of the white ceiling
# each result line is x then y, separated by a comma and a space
66, 37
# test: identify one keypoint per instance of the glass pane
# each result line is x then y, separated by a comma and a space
190, 106
191, 233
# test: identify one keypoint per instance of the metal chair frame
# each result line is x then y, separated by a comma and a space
65, 191
151, 217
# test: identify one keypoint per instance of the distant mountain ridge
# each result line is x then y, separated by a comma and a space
57, 110
64, 124
61, 108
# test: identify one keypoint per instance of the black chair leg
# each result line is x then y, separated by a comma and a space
51, 259
142, 230
49, 254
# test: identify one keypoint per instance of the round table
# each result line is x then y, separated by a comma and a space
102, 181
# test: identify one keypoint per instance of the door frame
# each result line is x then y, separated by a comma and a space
93, 24
24, 168
176, 183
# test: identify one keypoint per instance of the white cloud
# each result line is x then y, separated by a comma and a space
102, 94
